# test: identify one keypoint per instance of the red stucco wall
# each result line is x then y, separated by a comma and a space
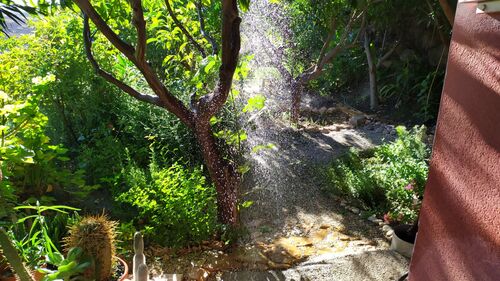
459, 234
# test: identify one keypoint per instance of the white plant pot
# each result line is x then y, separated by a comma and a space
401, 246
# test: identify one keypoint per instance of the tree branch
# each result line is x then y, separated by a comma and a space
270, 48
201, 19
329, 38
231, 43
110, 78
327, 56
387, 55
140, 25
169, 101
113, 38
184, 30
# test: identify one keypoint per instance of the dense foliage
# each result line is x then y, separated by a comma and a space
177, 202
389, 179
87, 132
415, 36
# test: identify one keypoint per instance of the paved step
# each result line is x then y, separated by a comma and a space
379, 265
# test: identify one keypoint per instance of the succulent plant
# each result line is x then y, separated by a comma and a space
95, 235
139, 258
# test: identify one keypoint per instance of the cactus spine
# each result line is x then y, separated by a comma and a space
12, 256
95, 235
140, 272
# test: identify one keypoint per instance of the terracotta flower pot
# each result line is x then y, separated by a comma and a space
38, 276
125, 269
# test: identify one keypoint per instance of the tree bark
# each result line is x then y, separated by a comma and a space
296, 100
223, 174
372, 71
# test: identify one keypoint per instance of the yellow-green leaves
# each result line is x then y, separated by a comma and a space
255, 103
244, 5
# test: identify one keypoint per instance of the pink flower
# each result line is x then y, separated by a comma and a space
387, 218
409, 187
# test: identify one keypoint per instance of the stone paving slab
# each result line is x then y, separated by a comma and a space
380, 265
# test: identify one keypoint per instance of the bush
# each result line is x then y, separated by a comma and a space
176, 204
389, 179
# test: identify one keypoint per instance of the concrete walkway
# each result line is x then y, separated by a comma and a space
379, 265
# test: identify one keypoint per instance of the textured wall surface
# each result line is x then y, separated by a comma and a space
459, 236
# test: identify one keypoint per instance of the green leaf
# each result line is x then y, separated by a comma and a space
209, 66
247, 204
54, 258
255, 103
244, 5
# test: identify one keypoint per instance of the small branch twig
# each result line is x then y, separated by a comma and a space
184, 30
140, 25
387, 55
201, 19
329, 38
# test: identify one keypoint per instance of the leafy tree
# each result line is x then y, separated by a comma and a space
204, 103
339, 24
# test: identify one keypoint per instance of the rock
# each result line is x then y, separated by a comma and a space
372, 218
389, 233
343, 203
296, 231
357, 120
251, 255
386, 228
354, 210
173, 277
198, 274
313, 130
330, 110
325, 131
379, 130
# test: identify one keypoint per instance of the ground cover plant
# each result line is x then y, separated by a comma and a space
388, 180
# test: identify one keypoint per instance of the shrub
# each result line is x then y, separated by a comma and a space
177, 204
388, 179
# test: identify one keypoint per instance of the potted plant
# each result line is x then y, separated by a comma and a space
90, 255
67, 269
95, 236
404, 235
403, 239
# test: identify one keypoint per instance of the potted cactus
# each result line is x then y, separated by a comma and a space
95, 235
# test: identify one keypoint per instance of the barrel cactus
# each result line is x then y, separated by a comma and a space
95, 235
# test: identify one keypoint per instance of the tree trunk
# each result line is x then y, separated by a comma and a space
372, 71
223, 174
296, 100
